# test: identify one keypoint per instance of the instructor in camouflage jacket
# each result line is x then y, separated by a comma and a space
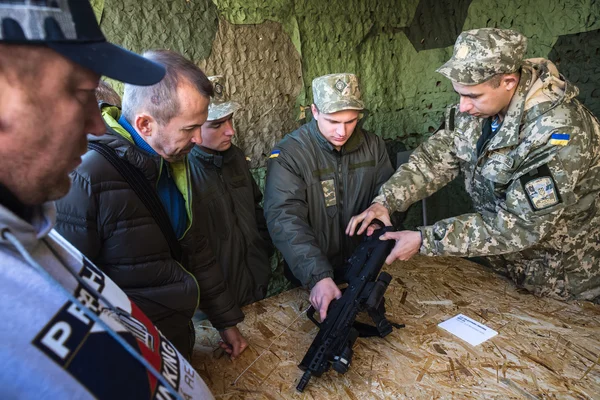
530, 155
318, 177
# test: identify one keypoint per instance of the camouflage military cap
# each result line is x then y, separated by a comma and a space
220, 105
480, 54
337, 92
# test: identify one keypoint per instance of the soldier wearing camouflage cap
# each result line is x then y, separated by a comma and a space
530, 155
228, 202
317, 177
336, 92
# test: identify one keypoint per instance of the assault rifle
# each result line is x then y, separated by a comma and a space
337, 333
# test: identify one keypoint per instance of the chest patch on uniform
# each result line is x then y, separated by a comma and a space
502, 159
541, 192
329, 192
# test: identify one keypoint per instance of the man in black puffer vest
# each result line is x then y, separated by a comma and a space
107, 221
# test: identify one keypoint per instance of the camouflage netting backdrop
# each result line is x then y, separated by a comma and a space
264, 75
271, 50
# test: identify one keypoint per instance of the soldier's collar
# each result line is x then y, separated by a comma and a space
216, 159
508, 135
355, 141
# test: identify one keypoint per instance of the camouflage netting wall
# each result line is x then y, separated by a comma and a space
271, 50
266, 78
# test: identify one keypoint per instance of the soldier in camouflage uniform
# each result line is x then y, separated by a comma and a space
318, 177
530, 155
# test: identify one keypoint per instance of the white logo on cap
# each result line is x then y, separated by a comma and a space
340, 85
462, 52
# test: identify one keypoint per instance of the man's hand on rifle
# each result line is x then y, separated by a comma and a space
322, 294
366, 219
407, 245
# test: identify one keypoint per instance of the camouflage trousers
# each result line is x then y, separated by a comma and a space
545, 274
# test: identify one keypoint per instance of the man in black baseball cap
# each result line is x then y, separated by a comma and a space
68, 331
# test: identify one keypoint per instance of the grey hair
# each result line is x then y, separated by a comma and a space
160, 99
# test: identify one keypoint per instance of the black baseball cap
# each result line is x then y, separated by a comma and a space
70, 28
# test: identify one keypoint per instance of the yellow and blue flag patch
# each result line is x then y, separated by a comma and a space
560, 139
275, 153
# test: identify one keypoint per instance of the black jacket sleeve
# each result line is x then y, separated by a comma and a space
216, 300
77, 218
384, 166
286, 211
261, 222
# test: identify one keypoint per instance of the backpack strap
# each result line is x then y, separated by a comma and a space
147, 194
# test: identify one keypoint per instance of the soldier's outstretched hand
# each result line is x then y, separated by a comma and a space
407, 245
363, 220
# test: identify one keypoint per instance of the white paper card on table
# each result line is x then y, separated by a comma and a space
468, 329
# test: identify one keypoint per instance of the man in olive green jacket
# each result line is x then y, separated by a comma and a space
317, 178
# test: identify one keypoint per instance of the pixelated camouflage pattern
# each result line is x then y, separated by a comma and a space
480, 54
337, 92
220, 104
329, 192
553, 251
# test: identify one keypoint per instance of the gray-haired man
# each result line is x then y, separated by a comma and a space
530, 155
107, 220
318, 177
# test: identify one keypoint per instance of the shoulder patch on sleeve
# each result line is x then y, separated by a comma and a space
540, 188
560, 139
541, 192
275, 153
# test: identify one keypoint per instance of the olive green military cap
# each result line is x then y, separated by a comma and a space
479, 54
337, 92
220, 105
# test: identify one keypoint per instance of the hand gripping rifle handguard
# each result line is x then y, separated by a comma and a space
366, 286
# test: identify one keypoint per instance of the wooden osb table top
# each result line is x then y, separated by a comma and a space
545, 349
